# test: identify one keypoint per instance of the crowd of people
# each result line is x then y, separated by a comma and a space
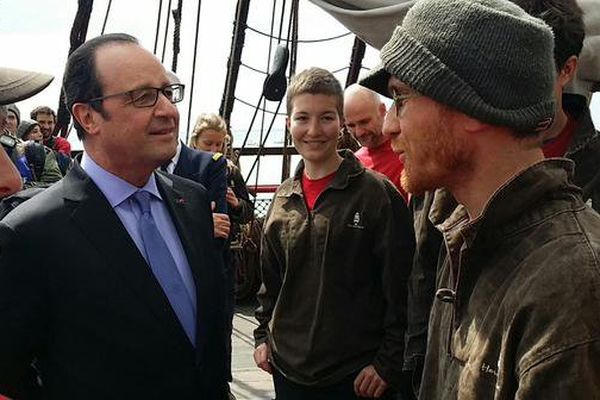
454, 253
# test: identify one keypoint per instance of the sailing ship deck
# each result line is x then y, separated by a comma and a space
249, 382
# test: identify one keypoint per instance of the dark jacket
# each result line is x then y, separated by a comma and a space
333, 298
516, 315
245, 212
207, 169
584, 150
97, 322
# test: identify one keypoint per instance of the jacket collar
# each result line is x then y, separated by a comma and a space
348, 169
503, 214
577, 108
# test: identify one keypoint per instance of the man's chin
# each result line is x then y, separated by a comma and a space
416, 186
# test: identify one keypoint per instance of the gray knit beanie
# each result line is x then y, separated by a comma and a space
15, 110
25, 128
487, 58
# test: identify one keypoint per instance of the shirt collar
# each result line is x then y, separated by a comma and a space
173, 162
115, 189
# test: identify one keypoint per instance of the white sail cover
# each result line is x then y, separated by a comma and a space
374, 20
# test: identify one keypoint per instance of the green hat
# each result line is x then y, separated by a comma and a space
486, 58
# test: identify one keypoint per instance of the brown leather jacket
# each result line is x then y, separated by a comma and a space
517, 312
333, 298
584, 150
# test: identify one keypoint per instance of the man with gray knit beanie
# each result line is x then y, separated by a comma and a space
516, 308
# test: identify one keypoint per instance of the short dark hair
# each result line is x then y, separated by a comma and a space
565, 18
80, 81
315, 81
42, 110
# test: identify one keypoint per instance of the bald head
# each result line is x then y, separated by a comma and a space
364, 113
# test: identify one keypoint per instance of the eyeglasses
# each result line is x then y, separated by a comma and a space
399, 100
147, 97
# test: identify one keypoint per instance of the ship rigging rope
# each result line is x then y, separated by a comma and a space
106, 17
262, 141
254, 69
176, 31
299, 40
189, 116
247, 103
162, 57
160, 4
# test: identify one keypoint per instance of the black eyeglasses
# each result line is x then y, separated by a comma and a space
147, 97
399, 100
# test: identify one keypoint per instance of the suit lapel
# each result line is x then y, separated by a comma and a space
96, 219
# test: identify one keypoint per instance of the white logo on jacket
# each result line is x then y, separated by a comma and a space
356, 222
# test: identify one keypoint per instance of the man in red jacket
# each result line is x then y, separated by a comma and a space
363, 114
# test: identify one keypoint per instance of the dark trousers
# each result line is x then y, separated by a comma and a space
343, 390
230, 306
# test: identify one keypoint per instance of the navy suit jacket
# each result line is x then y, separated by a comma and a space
208, 169
77, 297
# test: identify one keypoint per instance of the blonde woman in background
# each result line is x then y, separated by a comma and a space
210, 134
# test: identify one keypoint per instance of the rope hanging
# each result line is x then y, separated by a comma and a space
106, 17
162, 57
77, 38
234, 60
247, 103
262, 123
300, 40
176, 38
254, 69
257, 106
160, 4
187, 132
293, 24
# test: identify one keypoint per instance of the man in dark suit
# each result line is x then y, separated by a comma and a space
209, 170
111, 286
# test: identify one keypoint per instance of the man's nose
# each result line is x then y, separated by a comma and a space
391, 125
164, 107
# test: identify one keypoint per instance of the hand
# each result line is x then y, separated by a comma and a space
369, 384
261, 358
222, 225
231, 198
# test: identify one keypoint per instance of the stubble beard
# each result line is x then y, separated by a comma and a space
444, 160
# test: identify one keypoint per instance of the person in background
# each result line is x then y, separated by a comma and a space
29, 130
15, 85
10, 176
41, 167
515, 314
210, 135
46, 117
13, 119
336, 253
363, 114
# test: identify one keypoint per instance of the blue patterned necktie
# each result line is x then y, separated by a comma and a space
164, 268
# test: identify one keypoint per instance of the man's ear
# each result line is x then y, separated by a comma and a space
382, 109
287, 123
567, 72
86, 117
470, 124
